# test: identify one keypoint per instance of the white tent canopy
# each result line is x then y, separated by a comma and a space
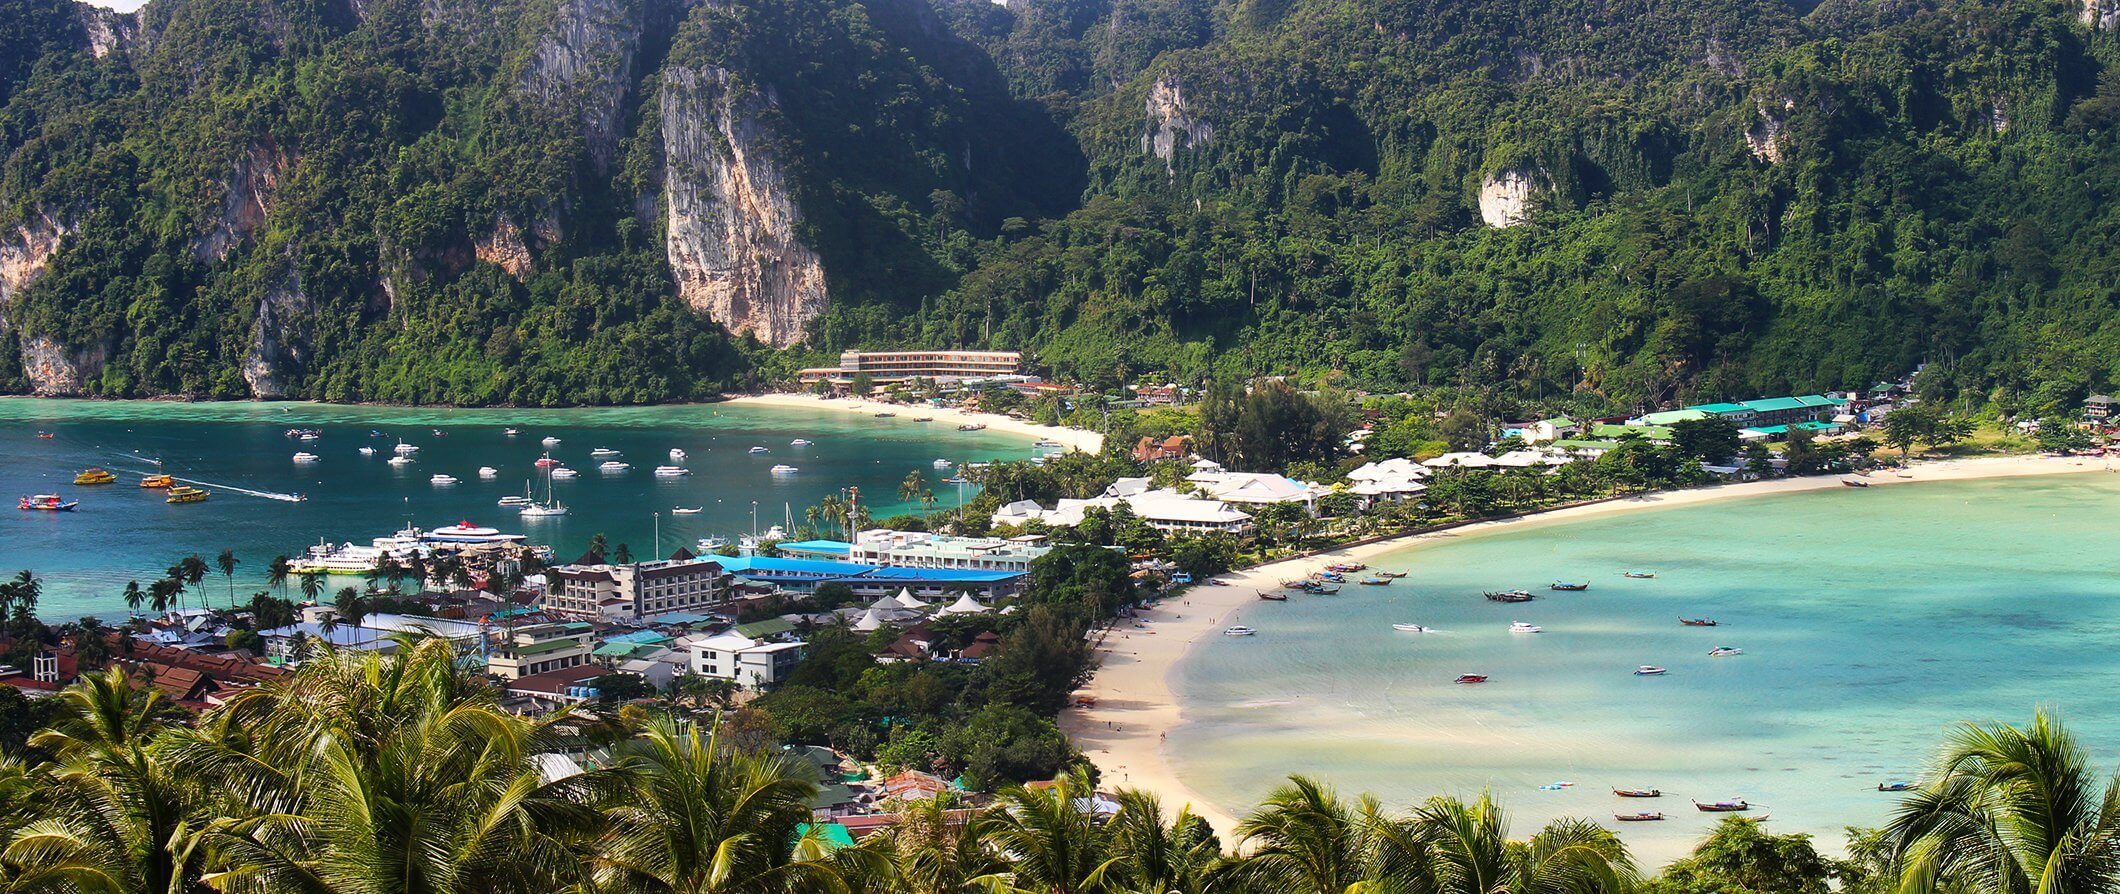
965, 605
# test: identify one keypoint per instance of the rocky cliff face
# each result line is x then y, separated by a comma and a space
276, 346
585, 63
2103, 15
503, 246
1171, 125
732, 219
1767, 135
25, 253
243, 206
1506, 196
108, 31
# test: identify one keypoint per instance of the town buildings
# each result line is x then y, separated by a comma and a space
592, 588
884, 367
915, 549
750, 662
539, 648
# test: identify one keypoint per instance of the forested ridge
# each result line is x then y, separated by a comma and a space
1630, 202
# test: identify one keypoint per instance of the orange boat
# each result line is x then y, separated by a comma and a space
156, 481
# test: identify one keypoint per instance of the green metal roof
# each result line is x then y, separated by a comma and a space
540, 648
1606, 430
1668, 417
1720, 409
626, 650
768, 627
1799, 402
1571, 443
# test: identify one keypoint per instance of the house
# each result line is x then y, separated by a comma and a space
1463, 460
982, 646
1149, 450
565, 686
1164, 510
916, 644
751, 663
2098, 406
539, 648
1257, 488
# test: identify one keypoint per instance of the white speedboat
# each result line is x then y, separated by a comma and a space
1239, 630
368, 451
550, 441
785, 469
466, 532
710, 543
535, 510
798, 442
512, 501
488, 472
613, 467
1522, 627
1048, 444
305, 457
680, 510
671, 471
677, 454
943, 464
401, 460
1724, 652
758, 450
603, 451
442, 479
1649, 670
1409, 628
510, 432
404, 449
564, 472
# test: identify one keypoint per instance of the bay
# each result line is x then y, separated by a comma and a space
1871, 621
122, 532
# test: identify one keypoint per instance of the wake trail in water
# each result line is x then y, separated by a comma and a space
262, 494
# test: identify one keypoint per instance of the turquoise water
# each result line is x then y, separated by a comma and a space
1871, 621
123, 533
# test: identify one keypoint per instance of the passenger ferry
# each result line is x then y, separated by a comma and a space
346, 558
466, 532
187, 494
95, 476
157, 482
671, 471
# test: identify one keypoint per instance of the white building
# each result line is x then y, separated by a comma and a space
1164, 510
1467, 460
540, 648
1257, 488
752, 663
915, 549
681, 583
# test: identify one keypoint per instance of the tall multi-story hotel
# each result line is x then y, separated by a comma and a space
681, 583
897, 366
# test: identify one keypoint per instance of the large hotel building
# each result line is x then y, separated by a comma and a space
897, 366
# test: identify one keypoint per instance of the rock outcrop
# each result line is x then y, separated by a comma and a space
732, 233
503, 246
1506, 196
2103, 15
25, 252
276, 348
1768, 134
1171, 124
109, 31
243, 206
585, 63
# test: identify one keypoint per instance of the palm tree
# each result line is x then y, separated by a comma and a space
1052, 846
24, 591
349, 608
1303, 838
914, 484
939, 847
1155, 858
1469, 852
193, 570
162, 593
312, 585
700, 817
2010, 811
227, 562
276, 573
133, 597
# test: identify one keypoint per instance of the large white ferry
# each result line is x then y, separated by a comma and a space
347, 558
466, 532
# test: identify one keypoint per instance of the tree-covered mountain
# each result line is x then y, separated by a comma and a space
555, 201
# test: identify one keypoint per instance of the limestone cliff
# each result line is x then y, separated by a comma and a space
277, 347
109, 31
243, 204
1171, 124
2103, 15
585, 62
1768, 133
503, 246
1506, 196
25, 252
733, 226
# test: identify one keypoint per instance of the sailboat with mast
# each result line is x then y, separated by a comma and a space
550, 508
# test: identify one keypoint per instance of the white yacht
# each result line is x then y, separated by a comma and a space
758, 450
785, 469
550, 441
509, 432
1239, 630
613, 467
1525, 627
401, 460
442, 480
943, 464
305, 457
513, 501
536, 510
404, 449
368, 451
671, 471
710, 543
488, 472
677, 454
798, 442
603, 451
466, 532
564, 472
680, 510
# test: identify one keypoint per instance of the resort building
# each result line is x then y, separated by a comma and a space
1256, 488
1164, 510
1148, 450
540, 648
1390, 479
2098, 406
898, 366
375, 633
1762, 413
752, 663
913, 549
592, 588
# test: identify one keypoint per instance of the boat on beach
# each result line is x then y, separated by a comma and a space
1895, 786
1568, 586
47, 503
1734, 805
1639, 792
1393, 575
1274, 597
1643, 817
1854, 482
1239, 630
972, 426
1346, 567
1649, 670
1375, 582
1509, 596
1409, 628
1696, 622
1470, 678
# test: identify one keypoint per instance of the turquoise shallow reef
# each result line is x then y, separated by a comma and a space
1870, 621
241, 452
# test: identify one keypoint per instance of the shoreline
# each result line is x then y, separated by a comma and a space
1135, 702
1073, 438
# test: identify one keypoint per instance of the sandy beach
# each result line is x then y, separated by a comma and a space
1073, 438
1124, 732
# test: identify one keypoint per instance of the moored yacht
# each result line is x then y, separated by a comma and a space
671, 471
564, 472
404, 449
466, 532
305, 457
1525, 627
798, 442
488, 472
442, 480
603, 451
677, 454
401, 460
943, 464
368, 451
347, 558
785, 469
550, 441
758, 450
613, 467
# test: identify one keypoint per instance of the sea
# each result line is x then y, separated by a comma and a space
1871, 622
240, 451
